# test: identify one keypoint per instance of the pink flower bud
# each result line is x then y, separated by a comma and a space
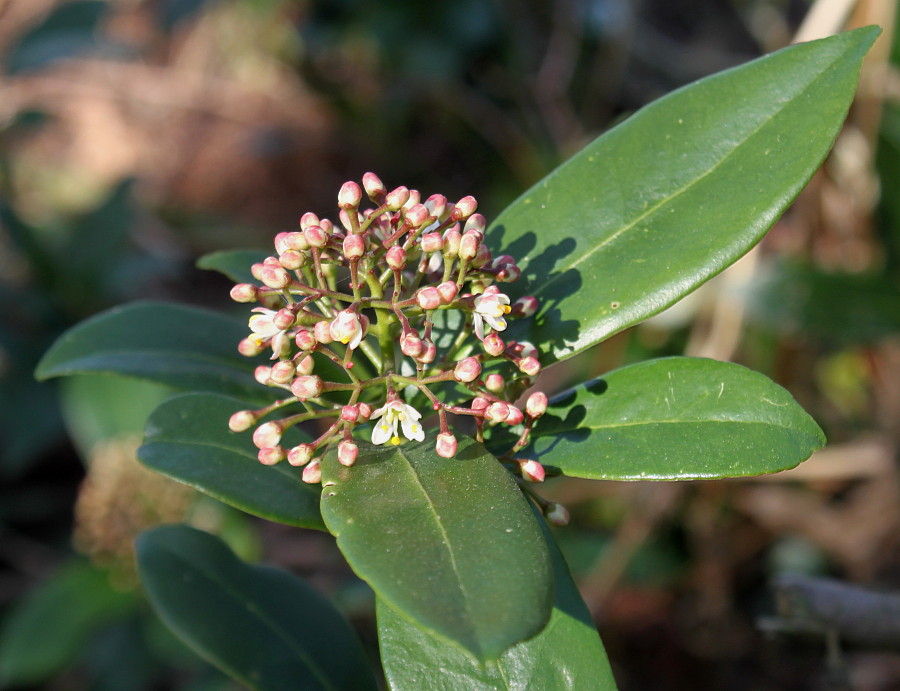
467, 370
497, 412
452, 240
292, 259
411, 345
524, 307
448, 291
482, 257
249, 348
374, 187
436, 205
494, 383
414, 198
475, 222
417, 216
322, 332
241, 421
244, 292
312, 473
315, 236
308, 219
354, 246
344, 217
271, 301
529, 365
429, 298
347, 453
275, 277
515, 417
493, 344
365, 412
531, 470
306, 365
282, 372
350, 413
446, 445
468, 246
296, 241
480, 403
262, 374
256, 270
301, 455
267, 434
305, 339
270, 455
464, 208
327, 226
347, 328
307, 386
280, 245
429, 352
509, 274
536, 405
432, 242
397, 198
396, 257
284, 319
350, 196
556, 514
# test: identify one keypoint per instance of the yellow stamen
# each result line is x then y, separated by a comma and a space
507, 309
395, 441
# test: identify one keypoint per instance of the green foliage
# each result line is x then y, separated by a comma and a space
676, 419
666, 200
187, 438
403, 516
263, 626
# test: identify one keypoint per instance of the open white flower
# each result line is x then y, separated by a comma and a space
391, 413
263, 327
490, 308
347, 329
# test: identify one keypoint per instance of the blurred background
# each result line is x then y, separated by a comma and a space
137, 135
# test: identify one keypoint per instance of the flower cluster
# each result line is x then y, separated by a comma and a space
371, 320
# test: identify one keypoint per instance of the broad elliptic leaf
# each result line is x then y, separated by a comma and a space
187, 438
675, 419
676, 193
187, 348
566, 654
450, 543
263, 626
235, 264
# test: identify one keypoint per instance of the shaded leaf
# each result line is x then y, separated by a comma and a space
669, 198
184, 347
187, 438
235, 264
45, 631
450, 543
566, 654
676, 419
263, 626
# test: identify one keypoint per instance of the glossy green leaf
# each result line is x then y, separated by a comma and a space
44, 632
676, 419
263, 626
566, 654
676, 193
187, 438
235, 264
450, 543
184, 347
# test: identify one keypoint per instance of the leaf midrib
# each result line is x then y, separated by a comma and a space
666, 200
670, 422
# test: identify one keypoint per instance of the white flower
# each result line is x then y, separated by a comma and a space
490, 308
263, 327
347, 329
391, 413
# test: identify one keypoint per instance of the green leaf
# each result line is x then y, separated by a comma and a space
235, 264
669, 198
187, 438
263, 626
675, 419
566, 654
44, 632
450, 543
184, 347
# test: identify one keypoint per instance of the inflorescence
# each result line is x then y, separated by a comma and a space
380, 309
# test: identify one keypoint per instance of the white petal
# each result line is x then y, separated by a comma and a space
411, 412
412, 429
381, 432
378, 413
496, 323
479, 326
357, 339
